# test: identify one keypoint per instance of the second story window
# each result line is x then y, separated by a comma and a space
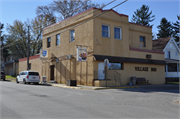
176, 53
105, 31
57, 39
72, 35
48, 42
168, 54
142, 42
117, 33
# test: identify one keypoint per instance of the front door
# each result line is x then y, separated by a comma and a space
101, 73
52, 72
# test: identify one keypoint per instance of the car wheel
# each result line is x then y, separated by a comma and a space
17, 81
24, 81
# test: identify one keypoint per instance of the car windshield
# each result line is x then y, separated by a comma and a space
34, 73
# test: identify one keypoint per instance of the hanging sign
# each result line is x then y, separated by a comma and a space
43, 54
81, 54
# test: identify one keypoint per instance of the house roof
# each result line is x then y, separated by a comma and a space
160, 44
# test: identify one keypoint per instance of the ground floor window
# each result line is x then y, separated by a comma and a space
115, 66
172, 67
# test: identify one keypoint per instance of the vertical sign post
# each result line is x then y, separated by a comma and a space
106, 62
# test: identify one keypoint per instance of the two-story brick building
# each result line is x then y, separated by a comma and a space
126, 45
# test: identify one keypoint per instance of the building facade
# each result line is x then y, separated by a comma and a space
171, 55
127, 46
11, 65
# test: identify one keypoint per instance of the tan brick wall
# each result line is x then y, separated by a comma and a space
36, 65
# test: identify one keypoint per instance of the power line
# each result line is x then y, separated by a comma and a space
86, 20
40, 28
89, 19
66, 14
87, 14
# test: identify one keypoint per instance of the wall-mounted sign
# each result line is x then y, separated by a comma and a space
141, 68
81, 54
43, 54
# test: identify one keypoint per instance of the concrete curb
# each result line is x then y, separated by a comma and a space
92, 88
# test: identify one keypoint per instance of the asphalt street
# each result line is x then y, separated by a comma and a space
19, 101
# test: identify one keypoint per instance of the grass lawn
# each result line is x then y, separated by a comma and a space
173, 83
10, 77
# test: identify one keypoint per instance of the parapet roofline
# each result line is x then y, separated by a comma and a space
84, 12
30, 58
101, 11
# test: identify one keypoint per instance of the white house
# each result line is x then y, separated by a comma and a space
171, 56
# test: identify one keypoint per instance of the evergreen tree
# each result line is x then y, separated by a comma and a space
175, 27
165, 29
143, 16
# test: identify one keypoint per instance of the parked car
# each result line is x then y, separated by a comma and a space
3, 76
28, 77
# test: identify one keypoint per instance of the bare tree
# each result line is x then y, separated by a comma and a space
68, 8
46, 13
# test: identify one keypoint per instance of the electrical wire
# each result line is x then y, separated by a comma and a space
89, 19
84, 21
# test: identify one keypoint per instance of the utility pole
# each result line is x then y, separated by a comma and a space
28, 51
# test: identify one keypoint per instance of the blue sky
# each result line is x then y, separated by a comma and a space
11, 10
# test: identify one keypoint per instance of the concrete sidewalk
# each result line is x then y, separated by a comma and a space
113, 87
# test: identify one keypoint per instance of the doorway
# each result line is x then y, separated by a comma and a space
101, 73
52, 72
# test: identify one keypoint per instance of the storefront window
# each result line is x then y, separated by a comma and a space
115, 66
172, 67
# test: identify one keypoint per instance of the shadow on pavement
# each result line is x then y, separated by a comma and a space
10, 81
5, 80
168, 89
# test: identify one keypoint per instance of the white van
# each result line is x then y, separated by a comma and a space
28, 77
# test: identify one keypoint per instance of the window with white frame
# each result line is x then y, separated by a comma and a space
172, 67
117, 33
72, 35
168, 54
105, 31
